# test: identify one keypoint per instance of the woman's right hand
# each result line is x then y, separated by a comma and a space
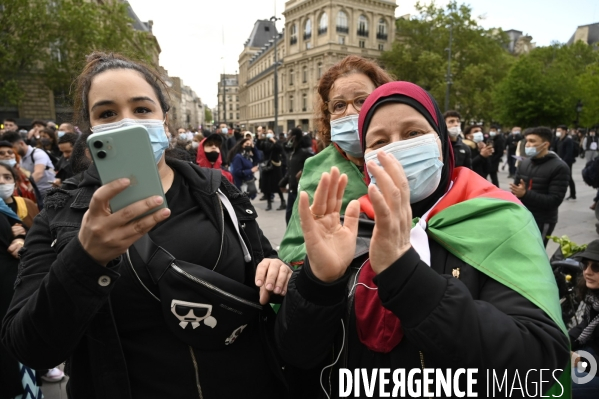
330, 245
254, 169
105, 235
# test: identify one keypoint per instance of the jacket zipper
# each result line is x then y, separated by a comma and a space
222, 233
214, 288
197, 373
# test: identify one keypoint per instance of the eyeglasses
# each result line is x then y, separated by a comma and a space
338, 107
7, 152
594, 266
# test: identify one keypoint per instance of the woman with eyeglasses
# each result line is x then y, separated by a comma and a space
585, 336
341, 92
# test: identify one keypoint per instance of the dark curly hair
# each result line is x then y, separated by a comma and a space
348, 65
99, 62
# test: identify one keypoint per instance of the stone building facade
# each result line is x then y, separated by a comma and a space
187, 110
228, 109
317, 34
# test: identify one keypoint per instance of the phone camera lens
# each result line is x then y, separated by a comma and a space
101, 154
98, 144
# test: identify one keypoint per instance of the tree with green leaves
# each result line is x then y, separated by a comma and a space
544, 86
208, 116
52, 39
479, 59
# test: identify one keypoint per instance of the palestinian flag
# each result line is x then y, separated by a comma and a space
492, 231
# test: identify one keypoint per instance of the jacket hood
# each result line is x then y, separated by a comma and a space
203, 161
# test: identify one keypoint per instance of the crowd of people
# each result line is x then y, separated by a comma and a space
386, 262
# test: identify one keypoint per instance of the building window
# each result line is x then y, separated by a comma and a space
319, 69
342, 22
293, 34
308, 45
237, 115
291, 77
381, 32
381, 47
341, 39
290, 103
230, 116
304, 102
362, 26
308, 30
304, 75
323, 24
362, 43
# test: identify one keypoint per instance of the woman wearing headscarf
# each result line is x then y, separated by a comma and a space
445, 281
342, 90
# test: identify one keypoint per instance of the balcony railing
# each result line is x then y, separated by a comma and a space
362, 32
293, 40
307, 35
342, 29
322, 31
381, 36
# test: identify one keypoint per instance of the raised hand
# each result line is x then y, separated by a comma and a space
329, 244
393, 214
105, 235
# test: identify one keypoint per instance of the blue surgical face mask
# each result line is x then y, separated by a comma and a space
344, 132
419, 158
60, 133
478, 137
9, 162
531, 152
155, 129
224, 130
270, 135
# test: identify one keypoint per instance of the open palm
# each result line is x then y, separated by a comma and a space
329, 244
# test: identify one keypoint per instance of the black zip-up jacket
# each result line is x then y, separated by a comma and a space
297, 158
461, 153
498, 146
471, 321
62, 309
565, 149
546, 180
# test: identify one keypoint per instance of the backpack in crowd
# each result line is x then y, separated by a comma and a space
590, 173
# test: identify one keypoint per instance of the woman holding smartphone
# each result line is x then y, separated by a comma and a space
76, 290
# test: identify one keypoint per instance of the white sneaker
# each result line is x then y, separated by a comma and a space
53, 375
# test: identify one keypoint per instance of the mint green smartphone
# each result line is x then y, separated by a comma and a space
127, 152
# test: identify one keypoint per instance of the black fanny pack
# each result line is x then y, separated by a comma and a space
203, 308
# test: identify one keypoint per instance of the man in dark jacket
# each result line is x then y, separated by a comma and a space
565, 150
295, 164
498, 147
461, 152
481, 152
541, 180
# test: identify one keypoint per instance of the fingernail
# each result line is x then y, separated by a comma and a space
259, 283
269, 287
158, 200
277, 290
125, 181
284, 292
166, 212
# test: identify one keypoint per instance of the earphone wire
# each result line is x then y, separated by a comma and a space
335, 362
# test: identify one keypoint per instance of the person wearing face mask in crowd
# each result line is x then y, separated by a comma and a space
433, 288
194, 144
299, 152
498, 143
16, 215
567, 151
511, 144
65, 128
461, 152
481, 152
541, 180
243, 159
64, 171
77, 288
49, 143
271, 173
585, 336
25, 185
342, 90
590, 144
209, 155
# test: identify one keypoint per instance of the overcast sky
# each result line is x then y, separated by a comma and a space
190, 32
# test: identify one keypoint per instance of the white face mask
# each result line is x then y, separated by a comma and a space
9, 162
454, 131
478, 137
6, 190
558, 134
195, 145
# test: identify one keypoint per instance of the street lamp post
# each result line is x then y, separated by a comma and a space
449, 82
578, 111
274, 20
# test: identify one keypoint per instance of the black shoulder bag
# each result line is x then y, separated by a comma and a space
203, 308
